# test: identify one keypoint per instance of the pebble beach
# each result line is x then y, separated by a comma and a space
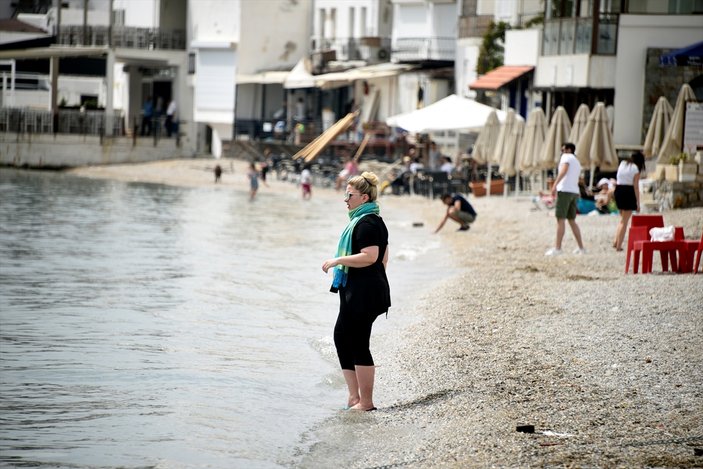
596, 367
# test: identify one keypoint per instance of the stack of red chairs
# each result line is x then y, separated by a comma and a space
684, 255
694, 249
640, 224
666, 249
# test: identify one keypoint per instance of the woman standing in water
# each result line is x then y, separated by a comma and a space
364, 294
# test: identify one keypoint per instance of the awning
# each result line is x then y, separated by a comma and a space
500, 77
300, 76
337, 79
263, 78
690, 56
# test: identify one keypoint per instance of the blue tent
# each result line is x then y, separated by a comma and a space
691, 56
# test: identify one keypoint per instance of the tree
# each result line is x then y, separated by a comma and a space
490, 54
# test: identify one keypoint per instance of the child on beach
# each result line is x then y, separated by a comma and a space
253, 176
306, 182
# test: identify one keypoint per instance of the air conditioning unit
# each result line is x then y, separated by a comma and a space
375, 54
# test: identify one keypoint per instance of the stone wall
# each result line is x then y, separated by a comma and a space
65, 151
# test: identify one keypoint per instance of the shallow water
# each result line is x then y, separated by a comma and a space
143, 325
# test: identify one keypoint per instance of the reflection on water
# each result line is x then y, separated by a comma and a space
145, 325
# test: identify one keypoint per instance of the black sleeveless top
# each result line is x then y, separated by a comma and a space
367, 289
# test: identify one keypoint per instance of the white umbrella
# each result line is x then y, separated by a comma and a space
673, 140
595, 146
661, 116
486, 140
557, 135
528, 155
450, 113
579, 123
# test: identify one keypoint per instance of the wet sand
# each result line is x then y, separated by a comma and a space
607, 367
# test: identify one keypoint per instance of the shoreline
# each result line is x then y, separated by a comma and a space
608, 363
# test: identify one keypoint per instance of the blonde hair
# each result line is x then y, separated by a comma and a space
365, 183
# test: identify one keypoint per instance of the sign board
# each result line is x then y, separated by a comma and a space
693, 130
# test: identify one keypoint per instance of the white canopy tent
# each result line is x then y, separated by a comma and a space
450, 113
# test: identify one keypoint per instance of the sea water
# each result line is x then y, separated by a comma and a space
143, 325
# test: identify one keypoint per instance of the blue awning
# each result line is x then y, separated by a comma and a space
691, 56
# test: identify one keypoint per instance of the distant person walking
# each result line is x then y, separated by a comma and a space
253, 176
170, 123
360, 278
306, 182
458, 209
627, 193
147, 116
566, 189
218, 173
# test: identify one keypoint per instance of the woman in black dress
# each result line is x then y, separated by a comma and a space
364, 294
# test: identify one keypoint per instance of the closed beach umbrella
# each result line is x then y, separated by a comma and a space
579, 124
530, 148
487, 138
557, 135
595, 146
673, 139
661, 116
508, 160
503, 137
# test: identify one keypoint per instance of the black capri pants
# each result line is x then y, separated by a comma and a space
352, 335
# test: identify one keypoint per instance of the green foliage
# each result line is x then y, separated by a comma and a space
681, 157
490, 54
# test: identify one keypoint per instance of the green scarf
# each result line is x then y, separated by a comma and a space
344, 248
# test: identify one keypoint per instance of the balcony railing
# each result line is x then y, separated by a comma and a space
568, 36
370, 49
68, 121
133, 38
412, 49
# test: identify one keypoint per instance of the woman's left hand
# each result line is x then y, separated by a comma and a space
329, 263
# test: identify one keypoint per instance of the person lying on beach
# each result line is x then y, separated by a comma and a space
458, 209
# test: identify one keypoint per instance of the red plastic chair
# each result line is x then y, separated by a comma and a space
635, 235
693, 249
667, 250
646, 221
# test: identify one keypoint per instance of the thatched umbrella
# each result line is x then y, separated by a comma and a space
673, 139
557, 135
486, 141
595, 146
529, 152
511, 143
661, 116
579, 123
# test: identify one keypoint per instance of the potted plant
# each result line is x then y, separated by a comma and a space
687, 170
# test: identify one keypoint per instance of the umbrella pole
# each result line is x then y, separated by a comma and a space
488, 179
517, 183
593, 170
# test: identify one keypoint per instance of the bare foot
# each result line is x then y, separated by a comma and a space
362, 408
353, 401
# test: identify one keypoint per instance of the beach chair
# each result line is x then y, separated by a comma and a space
635, 235
667, 249
646, 221
694, 249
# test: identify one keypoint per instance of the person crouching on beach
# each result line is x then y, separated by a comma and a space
359, 270
458, 209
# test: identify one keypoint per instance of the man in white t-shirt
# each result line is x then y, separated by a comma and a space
566, 189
